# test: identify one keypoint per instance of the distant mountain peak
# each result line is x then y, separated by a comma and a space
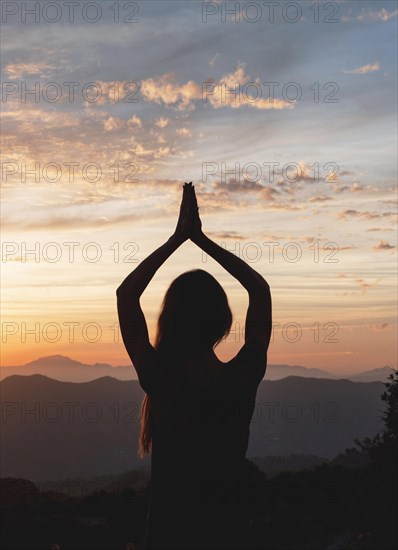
54, 361
380, 373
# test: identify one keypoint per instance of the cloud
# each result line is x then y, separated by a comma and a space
304, 172
380, 229
233, 90
383, 245
393, 202
373, 15
113, 123
30, 119
350, 213
213, 201
213, 60
236, 90
154, 153
65, 222
21, 70
134, 121
347, 247
159, 137
233, 186
382, 327
294, 174
227, 235
184, 132
268, 193
284, 206
164, 182
320, 198
365, 69
162, 122
347, 173
364, 285
165, 90
273, 238
355, 187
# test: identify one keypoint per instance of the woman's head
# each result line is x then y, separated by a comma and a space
195, 316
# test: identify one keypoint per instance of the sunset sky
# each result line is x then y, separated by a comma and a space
161, 112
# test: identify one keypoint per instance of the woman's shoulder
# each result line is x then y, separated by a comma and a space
250, 363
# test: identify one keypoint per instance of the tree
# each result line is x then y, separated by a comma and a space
376, 499
383, 446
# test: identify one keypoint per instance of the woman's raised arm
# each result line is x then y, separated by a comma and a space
258, 324
134, 284
238, 268
132, 322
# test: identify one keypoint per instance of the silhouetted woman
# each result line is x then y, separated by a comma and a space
197, 409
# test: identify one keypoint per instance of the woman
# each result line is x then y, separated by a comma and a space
197, 409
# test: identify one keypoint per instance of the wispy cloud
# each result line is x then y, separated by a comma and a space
366, 285
227, 91
167, 91
284, 206
41, 69
376, 15
227, 235
381, 327
320, 198
376, 229
213, 60
114, 123
162, 122
370, 68
184, 132
232, 186
367, 215
58, 223
383, 245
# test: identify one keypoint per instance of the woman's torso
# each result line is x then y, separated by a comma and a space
200, 433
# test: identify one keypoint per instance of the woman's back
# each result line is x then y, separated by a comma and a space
200, 434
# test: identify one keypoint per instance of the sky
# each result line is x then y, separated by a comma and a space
284, 117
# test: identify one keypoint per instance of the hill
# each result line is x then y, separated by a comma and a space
54, 430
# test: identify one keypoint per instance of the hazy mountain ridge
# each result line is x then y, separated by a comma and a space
53, 429
60, 367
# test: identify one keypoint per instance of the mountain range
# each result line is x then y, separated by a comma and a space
60, 367
55, 430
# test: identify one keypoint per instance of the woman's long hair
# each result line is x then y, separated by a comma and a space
195, 316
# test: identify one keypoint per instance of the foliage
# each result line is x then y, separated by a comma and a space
382, 447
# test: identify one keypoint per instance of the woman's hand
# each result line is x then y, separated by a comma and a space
182, 231
196, 223
189, 224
